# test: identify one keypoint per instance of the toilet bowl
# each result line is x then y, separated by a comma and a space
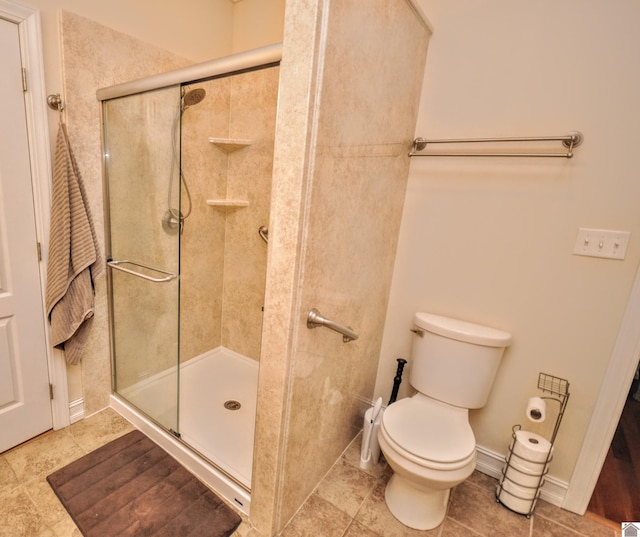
427, 439
431, 448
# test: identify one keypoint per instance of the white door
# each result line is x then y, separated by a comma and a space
25, 406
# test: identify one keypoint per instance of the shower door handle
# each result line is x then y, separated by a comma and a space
116, 264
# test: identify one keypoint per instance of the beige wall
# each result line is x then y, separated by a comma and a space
257, 23
183, 28
491, 240
350, 83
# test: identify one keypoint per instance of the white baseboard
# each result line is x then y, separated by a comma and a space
76, 410
491, 463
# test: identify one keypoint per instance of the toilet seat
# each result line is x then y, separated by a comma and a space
429, 433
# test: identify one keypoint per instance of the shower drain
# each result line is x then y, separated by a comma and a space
232, 405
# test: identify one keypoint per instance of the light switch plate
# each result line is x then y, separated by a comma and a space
606, 243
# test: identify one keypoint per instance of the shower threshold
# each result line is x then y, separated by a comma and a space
216, 437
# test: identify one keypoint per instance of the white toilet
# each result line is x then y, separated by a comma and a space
427, 439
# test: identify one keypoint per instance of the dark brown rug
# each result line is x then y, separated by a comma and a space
132, 487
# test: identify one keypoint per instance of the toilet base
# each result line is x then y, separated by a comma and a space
416, 507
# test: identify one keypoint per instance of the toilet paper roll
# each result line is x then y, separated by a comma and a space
531, 448
529, 480
536, 409
517, 498
527, 466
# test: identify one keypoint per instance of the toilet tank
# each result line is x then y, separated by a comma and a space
455, 361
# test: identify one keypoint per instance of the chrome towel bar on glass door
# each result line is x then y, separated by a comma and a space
168, 276
570, 141
315, 319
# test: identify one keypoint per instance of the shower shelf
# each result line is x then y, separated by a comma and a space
227, 205
229, 145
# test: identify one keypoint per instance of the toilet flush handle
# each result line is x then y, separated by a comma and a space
417, 332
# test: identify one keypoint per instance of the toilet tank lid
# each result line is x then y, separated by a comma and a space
462, 330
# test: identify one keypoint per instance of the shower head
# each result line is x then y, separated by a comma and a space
192, 97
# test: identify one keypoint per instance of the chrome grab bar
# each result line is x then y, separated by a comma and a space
115, 264
315, 319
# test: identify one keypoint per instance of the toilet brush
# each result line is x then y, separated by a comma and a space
397, 380
365, 454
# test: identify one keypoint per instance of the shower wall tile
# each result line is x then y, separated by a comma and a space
252, 116
96, 363
94, 57
223, 266
202, 246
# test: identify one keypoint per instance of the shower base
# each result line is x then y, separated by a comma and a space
223, 435
220, 434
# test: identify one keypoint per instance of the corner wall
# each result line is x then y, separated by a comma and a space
349, 92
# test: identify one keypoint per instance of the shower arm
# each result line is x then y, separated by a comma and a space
315, 319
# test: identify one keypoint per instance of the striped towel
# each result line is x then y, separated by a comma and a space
73, 258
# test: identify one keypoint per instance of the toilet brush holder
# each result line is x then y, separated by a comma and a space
370, 451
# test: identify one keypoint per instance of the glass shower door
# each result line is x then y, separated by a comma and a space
142, 191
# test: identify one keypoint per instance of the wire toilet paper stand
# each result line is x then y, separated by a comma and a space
519, 488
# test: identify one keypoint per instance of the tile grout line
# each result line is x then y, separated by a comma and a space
472, 530
353, 518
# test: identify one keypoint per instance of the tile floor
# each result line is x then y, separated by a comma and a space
348, 502
28, 506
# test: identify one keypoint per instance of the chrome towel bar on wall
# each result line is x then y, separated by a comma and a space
570, 141
315, 319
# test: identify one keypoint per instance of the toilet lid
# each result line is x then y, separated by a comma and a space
429, 429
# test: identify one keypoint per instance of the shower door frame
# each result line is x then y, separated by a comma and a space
263, 57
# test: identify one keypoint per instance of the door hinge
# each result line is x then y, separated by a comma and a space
51, 391
39, 247
24, 79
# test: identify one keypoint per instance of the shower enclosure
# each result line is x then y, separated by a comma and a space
187, 170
